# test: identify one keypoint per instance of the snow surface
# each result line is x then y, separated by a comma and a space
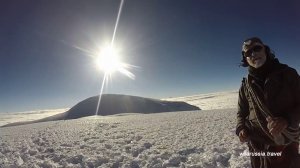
194, 139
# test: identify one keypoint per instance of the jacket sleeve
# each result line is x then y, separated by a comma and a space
243, 110
294, 114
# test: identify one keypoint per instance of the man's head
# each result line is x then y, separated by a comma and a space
254, 52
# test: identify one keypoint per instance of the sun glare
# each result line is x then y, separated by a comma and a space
109, 61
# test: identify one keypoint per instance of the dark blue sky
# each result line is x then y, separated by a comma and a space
182, 47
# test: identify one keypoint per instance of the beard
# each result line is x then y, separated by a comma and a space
258, 63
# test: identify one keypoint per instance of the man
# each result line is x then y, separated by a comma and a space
268, 108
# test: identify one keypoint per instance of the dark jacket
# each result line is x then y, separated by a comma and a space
280, 92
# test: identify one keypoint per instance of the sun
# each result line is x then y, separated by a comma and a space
109, 61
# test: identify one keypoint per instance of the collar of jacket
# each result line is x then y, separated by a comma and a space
272, 76
264, 71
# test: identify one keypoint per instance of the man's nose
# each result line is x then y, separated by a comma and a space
253, 54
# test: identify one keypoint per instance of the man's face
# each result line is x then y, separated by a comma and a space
255, 55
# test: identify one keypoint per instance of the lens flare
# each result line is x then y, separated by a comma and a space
109, 61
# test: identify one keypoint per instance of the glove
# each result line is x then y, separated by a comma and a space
276, 125
243, 136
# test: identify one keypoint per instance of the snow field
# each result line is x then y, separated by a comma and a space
177, 139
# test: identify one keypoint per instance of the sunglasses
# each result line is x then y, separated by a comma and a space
257, 48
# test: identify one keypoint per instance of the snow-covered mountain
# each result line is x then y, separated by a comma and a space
115, 104
220, 100
203, 138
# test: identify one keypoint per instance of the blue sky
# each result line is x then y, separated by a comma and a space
182, 47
